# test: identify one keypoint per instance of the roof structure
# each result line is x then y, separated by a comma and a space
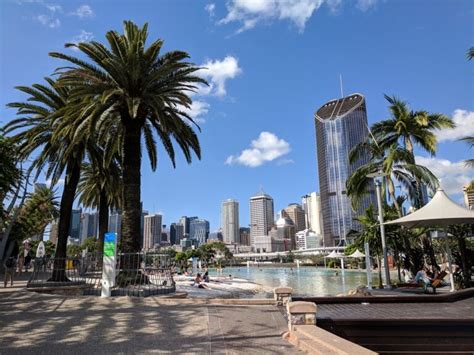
441, 211
334, 109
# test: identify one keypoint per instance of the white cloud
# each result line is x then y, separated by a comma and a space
452, 175
53, 7
267, 147
48, 21
83, 11
211, 9
217, 72
364, 5
197, 110
464, 121
251, 12
83, 36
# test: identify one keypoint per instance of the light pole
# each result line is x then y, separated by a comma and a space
378, 188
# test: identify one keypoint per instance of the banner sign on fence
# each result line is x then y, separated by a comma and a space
109, 263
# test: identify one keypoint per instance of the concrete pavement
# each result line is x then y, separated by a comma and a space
37, 323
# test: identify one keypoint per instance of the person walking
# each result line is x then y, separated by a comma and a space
10, 266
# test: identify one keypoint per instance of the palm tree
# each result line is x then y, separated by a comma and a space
134, 91
470, 53
100, 188
41, 126
470, 142
396, 162
410, 127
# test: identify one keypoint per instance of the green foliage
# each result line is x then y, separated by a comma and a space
90, 244
40, 209
10, 174
48, 247
73, 250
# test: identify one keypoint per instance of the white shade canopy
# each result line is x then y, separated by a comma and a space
333, 254
357, 254
440, 211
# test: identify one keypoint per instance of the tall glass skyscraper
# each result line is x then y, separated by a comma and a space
230, 221
340, 125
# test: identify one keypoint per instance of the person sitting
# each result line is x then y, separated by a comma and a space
198, 282
422, 276
206, 276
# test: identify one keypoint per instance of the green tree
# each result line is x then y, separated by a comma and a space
100, 187
133, 91
470, 142
45, 124
10, 173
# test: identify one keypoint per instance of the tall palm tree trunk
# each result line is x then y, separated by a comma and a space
130, 239
73, 173
103, 220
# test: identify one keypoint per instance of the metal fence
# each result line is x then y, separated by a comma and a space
137, 274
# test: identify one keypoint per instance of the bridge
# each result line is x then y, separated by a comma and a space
278, 254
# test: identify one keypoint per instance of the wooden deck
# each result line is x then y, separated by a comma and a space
404, 325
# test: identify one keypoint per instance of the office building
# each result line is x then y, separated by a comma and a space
176, 233
216, 237
340, 125
75, 224
89, 225
152, 232
115, 222
244, 236
307, 239
40, 185
185, 221
199, 230
295, 214
313, 214
261, 215
469, 195
230, 221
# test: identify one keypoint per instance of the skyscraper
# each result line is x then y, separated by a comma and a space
185, 221
296, 214
151, 231
89, 224
75, 225
469, 195
261, 215
230, 221
244, 235
313, 214
176, 233
199, 230
340, 125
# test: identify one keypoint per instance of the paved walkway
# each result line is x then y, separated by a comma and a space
38, 323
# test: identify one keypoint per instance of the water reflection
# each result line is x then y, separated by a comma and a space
305, 281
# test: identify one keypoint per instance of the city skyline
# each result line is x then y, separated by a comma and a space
275, 140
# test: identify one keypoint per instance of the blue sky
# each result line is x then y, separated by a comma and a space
271, 65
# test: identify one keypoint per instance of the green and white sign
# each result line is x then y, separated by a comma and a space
109, 263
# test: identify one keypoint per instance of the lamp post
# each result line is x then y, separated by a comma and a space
378, 188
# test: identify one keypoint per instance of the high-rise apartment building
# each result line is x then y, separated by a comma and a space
199, 230
261, 215
469, 195
312, 211
230, 221
340, 125
176, 233
151, 231
89, 225
295, 213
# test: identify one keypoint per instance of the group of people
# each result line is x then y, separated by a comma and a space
200, 281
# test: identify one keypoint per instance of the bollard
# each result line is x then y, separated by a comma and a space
282, 295
301, 313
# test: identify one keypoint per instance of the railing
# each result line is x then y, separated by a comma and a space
137, 274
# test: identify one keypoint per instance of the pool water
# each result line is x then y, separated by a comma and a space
305, 281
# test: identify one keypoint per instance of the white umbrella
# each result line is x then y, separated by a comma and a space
441, 211
333, 254
357, 254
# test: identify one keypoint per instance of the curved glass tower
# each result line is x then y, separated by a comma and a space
340, 125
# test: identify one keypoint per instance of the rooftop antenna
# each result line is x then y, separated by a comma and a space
340, 83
